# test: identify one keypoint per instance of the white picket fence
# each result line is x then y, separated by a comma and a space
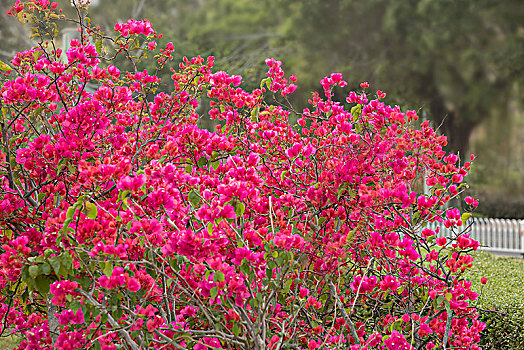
494, 235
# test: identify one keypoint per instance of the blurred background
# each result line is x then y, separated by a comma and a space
458, 62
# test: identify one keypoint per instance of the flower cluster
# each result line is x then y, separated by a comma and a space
133, 27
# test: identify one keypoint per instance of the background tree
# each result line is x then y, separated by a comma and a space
443, 56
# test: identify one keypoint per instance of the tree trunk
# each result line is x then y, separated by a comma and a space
458, 136
453, 125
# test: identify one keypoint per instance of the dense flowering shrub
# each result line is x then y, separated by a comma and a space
125, 225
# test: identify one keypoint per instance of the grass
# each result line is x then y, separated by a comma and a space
8, 343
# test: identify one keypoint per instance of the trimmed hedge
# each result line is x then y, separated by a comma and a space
501, 300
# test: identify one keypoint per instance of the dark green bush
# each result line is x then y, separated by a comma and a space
501, 300
496, 206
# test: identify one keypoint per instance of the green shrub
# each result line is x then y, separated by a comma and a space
501, 302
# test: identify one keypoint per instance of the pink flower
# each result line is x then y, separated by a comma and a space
471, 201
131, 183
304, 292
389, 283
69, 317
133, 284
228, 212
457, 178
441, 241
60, 289
312, 345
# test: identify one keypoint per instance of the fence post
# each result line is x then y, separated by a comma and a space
511, 233
492, 229
482, 231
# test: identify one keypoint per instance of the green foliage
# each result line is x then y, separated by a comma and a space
500, 302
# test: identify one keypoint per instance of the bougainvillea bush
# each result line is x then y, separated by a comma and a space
124, 225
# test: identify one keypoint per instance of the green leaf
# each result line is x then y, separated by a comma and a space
448, 296
61, 165
33, 271
245, 267
240, 208
215, 164
66, 262
269, 81
269, 273
55, 264
236, 329
45, 268
213, 292
108, 269
194, 198
98, 46
5, 67
75, 306
219, 276
71, 168
439, 300
287, 285
92, 210
117, 314
356, 111
37, 54
85, 282
123, 194
263, 82
202, 161
42, 284
465, 217
41, 196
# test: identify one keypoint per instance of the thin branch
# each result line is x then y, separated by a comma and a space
334, 294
